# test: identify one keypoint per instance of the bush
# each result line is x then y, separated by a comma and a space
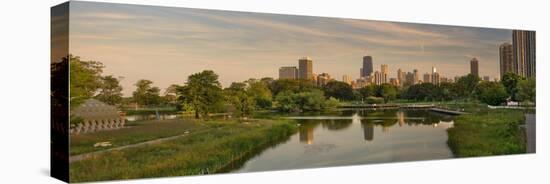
374, 100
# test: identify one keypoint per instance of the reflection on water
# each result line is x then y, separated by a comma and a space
357, 137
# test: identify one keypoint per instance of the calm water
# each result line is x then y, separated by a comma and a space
354, 137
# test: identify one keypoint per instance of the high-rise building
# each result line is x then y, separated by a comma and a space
427, 78
524, 52
393, 81
506, 58
415, 75
377, 78
474, 67
436, 78
409, 79
347, 79
288, 72
305, 68
384, 73
400, 77
367, 66
323, 79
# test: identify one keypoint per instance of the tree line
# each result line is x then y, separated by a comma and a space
202, 92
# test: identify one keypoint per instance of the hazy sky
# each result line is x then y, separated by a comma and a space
166, 45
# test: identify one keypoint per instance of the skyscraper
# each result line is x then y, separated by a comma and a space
524, 52
474, 67
436, 78
288, 72
400, 77
427, 78
506, 58
415, 76
367, 66
323, 79
384, 74
305, 68
347, 79
377, 78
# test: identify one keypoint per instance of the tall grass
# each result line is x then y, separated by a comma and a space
494, 132
134, 132
207, 151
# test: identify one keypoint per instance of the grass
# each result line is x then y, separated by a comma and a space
208, 150
134, 132
493, 132
151, 111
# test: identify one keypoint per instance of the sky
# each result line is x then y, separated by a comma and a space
165, 45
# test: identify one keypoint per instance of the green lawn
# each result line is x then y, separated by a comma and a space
491, 132
134, 132
208, 150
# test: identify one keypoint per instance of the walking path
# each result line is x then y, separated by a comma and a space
91, 154
530, 123
447, 111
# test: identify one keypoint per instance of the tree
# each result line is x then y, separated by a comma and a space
492, 93
202, 92
367, 91
386, 91
339, 90
526, 90
312, 100
85, 79
145, 94
466, 85
260, 92
291, 85
241, 98
510, 81
170, 95
110, 91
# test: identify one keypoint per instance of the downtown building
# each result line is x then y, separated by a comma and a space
524, 54
506, 57
323, 79
288, 72
305, 70
474, 67
367, 69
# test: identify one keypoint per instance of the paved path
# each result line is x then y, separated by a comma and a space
91, 154
531, 132
447, 111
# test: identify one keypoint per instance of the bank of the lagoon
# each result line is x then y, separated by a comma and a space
490, 132
208, 149
358, 136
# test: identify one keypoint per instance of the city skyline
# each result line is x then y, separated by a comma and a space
184, 41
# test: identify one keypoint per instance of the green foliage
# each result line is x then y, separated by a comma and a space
85, 79
202, 92
487, 133
216, 146
110, 91
387, 92
339, 90
492, 93
296, 86
526, 90
367, 91
510, 81
145, 94
170, 97
466, 85
241, 99
260, 92
313, 100
374, 100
